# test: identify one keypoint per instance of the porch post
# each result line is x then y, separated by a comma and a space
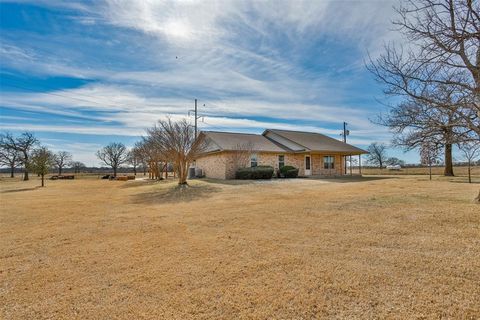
360, 164
351, 165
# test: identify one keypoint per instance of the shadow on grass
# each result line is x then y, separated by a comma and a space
229, 182
21, 190
175, 194
143, 182
344, 179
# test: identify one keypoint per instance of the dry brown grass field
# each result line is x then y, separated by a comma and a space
372, 247
458, 171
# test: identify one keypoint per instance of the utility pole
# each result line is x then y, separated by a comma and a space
345, 134
195, 113
196, 118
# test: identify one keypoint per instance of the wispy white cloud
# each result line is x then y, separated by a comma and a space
255, 64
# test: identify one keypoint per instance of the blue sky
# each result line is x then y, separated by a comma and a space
82, 74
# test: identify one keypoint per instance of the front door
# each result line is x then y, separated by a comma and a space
308, 165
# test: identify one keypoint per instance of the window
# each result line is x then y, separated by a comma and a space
253, 160
281, 161
307, 163
328, 162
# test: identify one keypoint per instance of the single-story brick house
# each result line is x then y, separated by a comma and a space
313, 153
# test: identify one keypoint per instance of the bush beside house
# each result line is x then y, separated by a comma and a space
288, 172
259, 172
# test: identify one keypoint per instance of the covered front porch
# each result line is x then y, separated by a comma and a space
330, 165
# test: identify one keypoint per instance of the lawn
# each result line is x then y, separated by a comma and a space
378, 247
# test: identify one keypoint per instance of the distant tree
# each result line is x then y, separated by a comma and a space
377, 154
151, 158
135, 158
140, 150
429, 155
414, 122
9, 156
42, 160
176, 141
23, 145
62, 159
392, 161
77, 166
113, 155
470, 151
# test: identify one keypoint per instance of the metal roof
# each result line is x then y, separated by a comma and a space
313, 141
304, 142
223, 141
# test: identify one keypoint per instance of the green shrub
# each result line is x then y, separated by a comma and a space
286, 168
259, 172
291, 173
288, 172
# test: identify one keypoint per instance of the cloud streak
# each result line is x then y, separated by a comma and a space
254, 64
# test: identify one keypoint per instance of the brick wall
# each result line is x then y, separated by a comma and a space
213, 165
318, 165
221, 165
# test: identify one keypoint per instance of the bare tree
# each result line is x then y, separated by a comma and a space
176, 141
444, 59
61, 159
113, 155
9, 157
151, 158
135, 156
442, 68
413, 123
429, 154
393, 161
377, 154
240, 156
41, 162
23, 144
470, 151
77, 166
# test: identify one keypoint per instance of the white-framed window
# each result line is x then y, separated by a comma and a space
281, 161
253, 160
328, 162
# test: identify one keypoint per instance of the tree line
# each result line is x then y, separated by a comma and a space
24, 151
167, 143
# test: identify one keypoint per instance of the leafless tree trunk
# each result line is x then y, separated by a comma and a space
470, 150
177, 143
240, 156
443, 68
9, 157
61, 159
448, 171
113, 155
41, 162
429, 152
377, 154
23, 145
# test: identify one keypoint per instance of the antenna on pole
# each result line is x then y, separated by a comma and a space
345, 133
195, 113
